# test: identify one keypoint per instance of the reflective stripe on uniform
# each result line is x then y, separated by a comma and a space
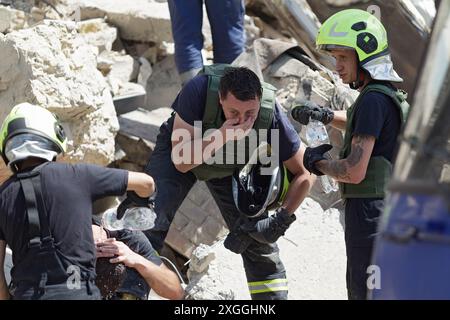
268, 286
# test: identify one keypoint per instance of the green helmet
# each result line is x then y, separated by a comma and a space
359, 30
30, 131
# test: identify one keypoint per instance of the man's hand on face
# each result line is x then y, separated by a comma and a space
233, 130
118, 251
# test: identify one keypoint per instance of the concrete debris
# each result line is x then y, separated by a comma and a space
164, 84
137, 134
52, 66
312, 251
129, 88
296, 19
12, 19
122, 66
252, 32
22, 5
138, 20
205, 279
145, 71
97, 33
200, 259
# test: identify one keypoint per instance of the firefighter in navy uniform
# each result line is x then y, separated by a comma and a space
229, 98
358, 42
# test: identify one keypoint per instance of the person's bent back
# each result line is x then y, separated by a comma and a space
45, 208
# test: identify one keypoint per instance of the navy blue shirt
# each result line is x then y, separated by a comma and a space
190, 106
378, 116
68, 192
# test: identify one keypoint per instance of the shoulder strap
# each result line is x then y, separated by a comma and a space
38, 227
267, 106
397, 96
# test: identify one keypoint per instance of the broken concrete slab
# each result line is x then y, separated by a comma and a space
163, 85
130, 89
130, 102
143, 123
295, 18
145, 71
119, 66
138, 20
138, 132
12, 19
97, 33
205, 280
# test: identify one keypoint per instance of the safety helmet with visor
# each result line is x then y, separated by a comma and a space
31, 131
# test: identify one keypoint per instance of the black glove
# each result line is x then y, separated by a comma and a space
133, 200
237, 241
312, 155
303, 113
268, 230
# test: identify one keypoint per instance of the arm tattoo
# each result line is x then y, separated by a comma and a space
340, 168
335, 168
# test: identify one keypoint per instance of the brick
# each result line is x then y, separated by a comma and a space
211, 207
212, 226
189, 231
193, 212
180, 220
179, 242
199, 193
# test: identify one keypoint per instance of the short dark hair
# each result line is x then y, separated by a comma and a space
110, 276
242, 82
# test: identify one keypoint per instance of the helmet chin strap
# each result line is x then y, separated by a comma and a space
361, 77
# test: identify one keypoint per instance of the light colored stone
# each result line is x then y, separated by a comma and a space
12, 19
50, 65
97, 33
251, 30
145, 71
138, 20
119, 68
129, 88
163, 85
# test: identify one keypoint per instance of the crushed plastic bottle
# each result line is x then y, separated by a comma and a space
316, 135
137, 218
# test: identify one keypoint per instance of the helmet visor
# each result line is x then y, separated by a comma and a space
26, 145
326, 48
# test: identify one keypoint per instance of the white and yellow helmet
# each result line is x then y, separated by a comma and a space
31, 131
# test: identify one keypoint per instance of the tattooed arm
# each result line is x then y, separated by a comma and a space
353, 168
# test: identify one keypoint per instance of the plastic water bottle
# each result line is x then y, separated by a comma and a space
137, 218
316, 134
